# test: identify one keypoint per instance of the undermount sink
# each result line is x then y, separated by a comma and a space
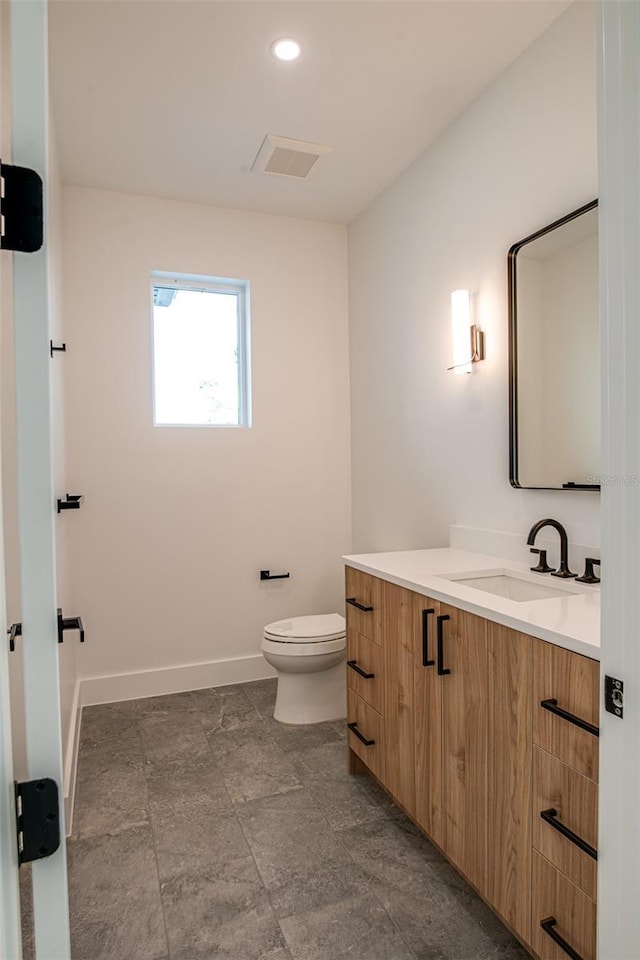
511, 586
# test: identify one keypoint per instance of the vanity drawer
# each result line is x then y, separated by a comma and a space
555, 898
365, 657
566, 700
364, 604
366, 738
574, 798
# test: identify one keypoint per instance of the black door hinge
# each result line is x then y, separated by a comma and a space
21, 209
37, 819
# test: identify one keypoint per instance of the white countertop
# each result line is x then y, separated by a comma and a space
571, 620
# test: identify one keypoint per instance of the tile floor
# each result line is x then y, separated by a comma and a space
205, 830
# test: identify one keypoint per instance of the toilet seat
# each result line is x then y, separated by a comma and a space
321, 628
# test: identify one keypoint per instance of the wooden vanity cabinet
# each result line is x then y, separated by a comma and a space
463, 744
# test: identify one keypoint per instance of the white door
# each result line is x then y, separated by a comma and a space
619, 175
29, 110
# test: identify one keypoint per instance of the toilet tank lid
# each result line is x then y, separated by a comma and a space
324, 626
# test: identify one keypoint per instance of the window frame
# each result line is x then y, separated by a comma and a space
199, 283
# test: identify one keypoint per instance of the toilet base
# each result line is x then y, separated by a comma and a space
312, 697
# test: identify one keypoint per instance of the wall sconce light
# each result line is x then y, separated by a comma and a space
468, 339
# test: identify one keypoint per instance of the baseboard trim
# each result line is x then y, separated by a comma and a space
71, 754
190, 676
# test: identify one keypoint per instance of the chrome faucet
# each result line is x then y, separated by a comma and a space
563, 569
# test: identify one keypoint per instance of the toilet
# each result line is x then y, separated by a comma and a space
308, 654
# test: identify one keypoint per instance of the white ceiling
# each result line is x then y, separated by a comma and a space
173, 99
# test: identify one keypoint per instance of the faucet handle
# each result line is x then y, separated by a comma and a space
589, 576
542, 566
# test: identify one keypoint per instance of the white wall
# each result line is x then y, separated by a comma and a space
166, 550
430, 448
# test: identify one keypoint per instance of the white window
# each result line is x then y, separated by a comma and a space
200, 351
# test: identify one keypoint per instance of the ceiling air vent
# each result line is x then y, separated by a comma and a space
289, 158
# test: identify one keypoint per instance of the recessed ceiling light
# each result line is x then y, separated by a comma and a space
285, 49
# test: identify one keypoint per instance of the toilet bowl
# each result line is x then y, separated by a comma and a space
308, 654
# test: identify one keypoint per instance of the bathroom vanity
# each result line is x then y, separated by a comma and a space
473, 698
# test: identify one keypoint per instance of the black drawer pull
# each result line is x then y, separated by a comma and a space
552, 706
354, 729
359, 606
548, 925
425, 638
442, 671
354, 666
550, 817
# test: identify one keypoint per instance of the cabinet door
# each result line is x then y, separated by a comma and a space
462, 664
569, 682
364, 603
398, 699
427, 693
562, 797
365, 669
366, 734
563, 917
509, 786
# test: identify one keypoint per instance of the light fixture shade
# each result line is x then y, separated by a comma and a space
286, 48
461, 330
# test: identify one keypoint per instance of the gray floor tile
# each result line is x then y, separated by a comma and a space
301, 860
166, 707
115, 896
324, 760
356, 929
181, 779
164, 738
252, 764
301, 739
345, 800
392, 850
438, 913
225, 788
262, 694
111, 792
230, 709
224, 914
193, 838
109, 721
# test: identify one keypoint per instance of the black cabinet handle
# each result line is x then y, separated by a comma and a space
425, 638
442, 671
354, 729
550, 816
354, 666
552, 707
359, 606
548, 925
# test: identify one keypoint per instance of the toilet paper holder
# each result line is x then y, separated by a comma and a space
267, 575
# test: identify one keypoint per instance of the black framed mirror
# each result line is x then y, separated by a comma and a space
554, 356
